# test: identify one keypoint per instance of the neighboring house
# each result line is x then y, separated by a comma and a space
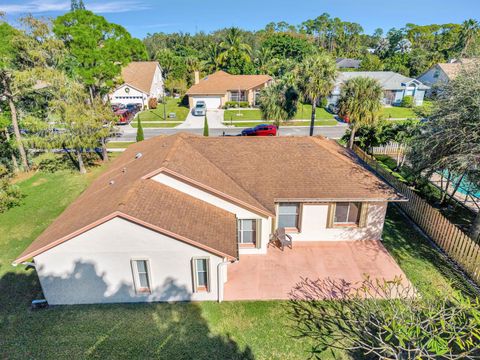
395, 86
170, 216
344, 63
142, 80
218, 88
442, 73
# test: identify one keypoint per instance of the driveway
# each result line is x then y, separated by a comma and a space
215, 119
273, 275
192, 122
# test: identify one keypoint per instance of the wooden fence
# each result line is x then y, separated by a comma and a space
456, 244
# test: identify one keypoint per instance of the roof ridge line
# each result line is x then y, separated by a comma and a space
170, 152
223, 172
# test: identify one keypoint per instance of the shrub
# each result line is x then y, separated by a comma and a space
10, 195
385, 320
323, 102
236, 104
152, 103
205, 127
407, 101
51, 162
140, 136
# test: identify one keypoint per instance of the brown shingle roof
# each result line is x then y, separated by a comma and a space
220, 82
453, 69
139, 74
253, 172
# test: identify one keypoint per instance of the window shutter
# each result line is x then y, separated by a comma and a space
331, 215
258, 227
363, 215
194, 275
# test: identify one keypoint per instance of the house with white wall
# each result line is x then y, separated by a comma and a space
142, 80
173, 215
395, 86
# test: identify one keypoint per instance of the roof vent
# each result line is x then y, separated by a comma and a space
111, 182
138, 155
124, 170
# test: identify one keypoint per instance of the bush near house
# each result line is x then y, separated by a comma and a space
236, 104
407, 101
152, 103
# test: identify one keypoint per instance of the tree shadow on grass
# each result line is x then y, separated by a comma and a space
120, 331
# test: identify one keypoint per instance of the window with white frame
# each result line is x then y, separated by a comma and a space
288, 214
201, 275
247, 231
141, 276
237, 96
347, 213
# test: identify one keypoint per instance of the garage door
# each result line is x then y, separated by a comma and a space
213, 102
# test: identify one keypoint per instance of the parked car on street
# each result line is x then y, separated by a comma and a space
200, 109
260, 130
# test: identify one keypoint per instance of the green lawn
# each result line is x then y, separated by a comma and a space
119, 144
208, 330
398, 112
288, 123
163, 124
304, 112
173, 105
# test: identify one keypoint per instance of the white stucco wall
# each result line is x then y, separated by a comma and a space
157, 89
313, 225
240, 212
95, 267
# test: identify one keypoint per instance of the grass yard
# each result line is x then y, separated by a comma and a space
172, 106
303, 113
119, 144
163, 124
398, 112
287, 123
208, 330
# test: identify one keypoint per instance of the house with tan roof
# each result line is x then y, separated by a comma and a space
442, 73
142, 80
218, 88
184, 217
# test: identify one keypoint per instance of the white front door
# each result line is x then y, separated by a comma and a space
212, 102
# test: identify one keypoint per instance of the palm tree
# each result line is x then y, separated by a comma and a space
278, 102
212, 62
360, 100
469, 31
316, 78
233, 49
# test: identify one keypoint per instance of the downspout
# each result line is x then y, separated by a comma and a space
220, 267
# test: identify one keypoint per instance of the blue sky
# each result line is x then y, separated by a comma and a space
147, 16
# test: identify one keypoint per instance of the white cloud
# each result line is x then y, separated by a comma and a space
46, 6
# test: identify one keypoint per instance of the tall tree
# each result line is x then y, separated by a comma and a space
360, 100
470, 30
97, 49
316, 79
7, 69
450, 140
235, 53
278, 102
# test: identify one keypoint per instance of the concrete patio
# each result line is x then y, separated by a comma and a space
272, 276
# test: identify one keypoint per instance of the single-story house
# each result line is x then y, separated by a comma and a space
395, 86
174, 215
142, 80
345, 63
442, 73
218, 88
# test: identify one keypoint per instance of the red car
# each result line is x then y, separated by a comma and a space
260, 130
124, 116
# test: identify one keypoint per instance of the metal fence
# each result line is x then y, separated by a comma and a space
456, 244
